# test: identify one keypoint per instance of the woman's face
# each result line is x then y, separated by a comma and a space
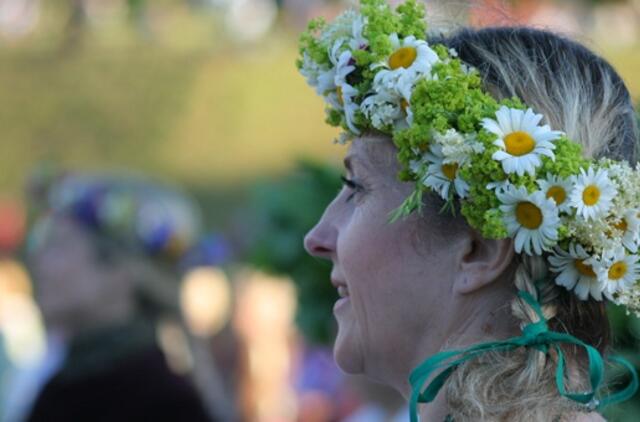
70, 282
395, 284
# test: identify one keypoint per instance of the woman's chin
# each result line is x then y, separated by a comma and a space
346, 351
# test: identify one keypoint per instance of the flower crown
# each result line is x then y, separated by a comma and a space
512, 175
139, 215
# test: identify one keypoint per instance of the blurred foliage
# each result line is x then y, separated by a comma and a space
88, 109
161, 108
286, 210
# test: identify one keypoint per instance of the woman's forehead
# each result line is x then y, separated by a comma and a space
372, 152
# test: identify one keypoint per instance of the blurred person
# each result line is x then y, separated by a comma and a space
320, 386
490, 211
21, 330
18, 18
105, 253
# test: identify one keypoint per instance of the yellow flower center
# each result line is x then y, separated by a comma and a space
584, 269
590, 195
404, 104
403, 57
339, 92
622, 225
528, 215
617, 270
450, 170
557, 193
519, 143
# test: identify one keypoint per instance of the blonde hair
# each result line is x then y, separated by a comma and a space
582, 95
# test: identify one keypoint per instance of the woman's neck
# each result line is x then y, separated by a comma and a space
479, 320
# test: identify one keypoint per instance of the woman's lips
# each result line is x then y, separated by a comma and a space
341, 303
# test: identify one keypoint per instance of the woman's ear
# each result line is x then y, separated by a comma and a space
482, 261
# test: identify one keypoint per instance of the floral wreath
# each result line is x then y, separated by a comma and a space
512, 175
138, 214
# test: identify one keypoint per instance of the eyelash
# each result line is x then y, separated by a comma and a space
354, 186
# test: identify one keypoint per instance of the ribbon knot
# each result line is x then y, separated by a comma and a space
534, 335
534, 329
537, 335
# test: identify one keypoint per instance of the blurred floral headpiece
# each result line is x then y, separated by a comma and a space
512, 175
137, 214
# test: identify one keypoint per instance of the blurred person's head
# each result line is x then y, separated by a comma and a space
106, 248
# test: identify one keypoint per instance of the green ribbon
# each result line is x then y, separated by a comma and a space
536, 335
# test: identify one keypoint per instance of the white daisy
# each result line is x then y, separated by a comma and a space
592, 194
521, 140
575, 271
531, 217
343, 61
390, 105
558, 189
349, 93
406, 107
326, 81
327, 77
441, 175
589, 286
338, 93
418, 167
358, 41
618, 271
499, 186
629, 228
412, 59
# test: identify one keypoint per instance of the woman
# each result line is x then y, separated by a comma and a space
506, 235
105, 252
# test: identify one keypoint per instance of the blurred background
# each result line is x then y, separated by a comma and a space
204, 94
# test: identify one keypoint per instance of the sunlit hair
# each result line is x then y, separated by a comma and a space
582, 95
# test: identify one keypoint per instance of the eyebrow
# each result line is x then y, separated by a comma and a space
352, 161
348, 162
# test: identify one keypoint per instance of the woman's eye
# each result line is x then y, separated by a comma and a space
353, 186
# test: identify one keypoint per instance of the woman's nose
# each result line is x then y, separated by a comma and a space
320, 241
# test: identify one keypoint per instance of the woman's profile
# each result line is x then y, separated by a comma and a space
490, 210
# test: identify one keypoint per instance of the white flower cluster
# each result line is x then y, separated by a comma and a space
438, 167
595, 206
330, 81
388, 105
586, 222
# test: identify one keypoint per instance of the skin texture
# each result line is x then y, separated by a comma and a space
415, 287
